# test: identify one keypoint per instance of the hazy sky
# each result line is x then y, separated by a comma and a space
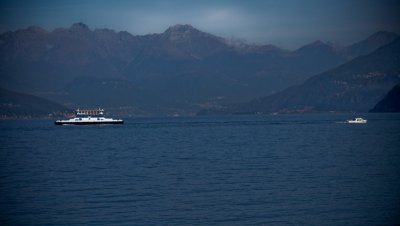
285, 23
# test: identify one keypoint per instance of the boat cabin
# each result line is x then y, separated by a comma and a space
97, 112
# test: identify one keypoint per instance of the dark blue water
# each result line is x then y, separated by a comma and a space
259, 170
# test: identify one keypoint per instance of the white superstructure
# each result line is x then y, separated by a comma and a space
357, 120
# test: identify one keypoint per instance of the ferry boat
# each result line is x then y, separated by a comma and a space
89, 117
357, 120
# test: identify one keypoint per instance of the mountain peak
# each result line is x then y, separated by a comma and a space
370, 44
36, 29
79, 27
181, 28
379, 38
315, 46
186, 32
317, 43
383, 35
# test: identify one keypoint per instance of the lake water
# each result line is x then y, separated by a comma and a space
310, 169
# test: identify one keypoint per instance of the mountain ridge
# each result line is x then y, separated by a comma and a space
390, 103
20, 105
180, 70
355, 86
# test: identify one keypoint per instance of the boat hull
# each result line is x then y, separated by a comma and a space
356, 122
60, 122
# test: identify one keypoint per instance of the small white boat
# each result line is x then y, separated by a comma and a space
357, 120
89, 117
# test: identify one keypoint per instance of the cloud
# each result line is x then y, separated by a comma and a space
219, 16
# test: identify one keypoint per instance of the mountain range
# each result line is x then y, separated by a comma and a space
354, 86
180, 71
